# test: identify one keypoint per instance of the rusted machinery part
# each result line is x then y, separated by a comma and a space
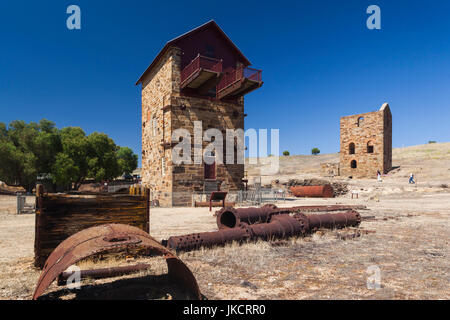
105, 238
233, 217
324, 191
331, 220
229, 217
103, 273
280, 226
208, 239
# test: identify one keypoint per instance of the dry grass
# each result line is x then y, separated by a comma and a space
407, 238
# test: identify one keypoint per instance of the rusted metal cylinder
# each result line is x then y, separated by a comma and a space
333, 220
325, 191
233, 217
230, 217
103, 273
280, 226
208, 239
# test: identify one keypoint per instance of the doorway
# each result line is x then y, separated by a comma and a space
210, 168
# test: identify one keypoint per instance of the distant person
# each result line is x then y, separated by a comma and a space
411, 179
379, 176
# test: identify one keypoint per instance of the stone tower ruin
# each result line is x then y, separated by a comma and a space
366, 143
198, 77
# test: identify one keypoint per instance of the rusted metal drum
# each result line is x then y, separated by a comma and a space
325, 191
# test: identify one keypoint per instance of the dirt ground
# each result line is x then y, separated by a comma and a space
405, 236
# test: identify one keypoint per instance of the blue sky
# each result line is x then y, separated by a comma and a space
319, 62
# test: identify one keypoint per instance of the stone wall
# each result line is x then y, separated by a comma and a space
157, 89
366, 143
163, 104
330, 169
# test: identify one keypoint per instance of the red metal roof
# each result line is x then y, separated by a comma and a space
173, 42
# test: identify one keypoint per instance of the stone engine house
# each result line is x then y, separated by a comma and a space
198, 76
366, 143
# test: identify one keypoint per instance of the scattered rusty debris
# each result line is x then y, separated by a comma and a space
111, 237
323, 191
232, 217
279, 226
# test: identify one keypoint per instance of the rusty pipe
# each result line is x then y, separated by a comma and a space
103, 273
332, 220
229, 217
281, 226
232, 217
208, 239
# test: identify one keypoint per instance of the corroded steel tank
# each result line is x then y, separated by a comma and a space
325, 191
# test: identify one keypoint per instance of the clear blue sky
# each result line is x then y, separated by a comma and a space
319, 62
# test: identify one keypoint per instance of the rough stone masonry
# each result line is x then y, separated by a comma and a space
366, 143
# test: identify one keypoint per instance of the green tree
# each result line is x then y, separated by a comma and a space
102, 157
27, 150
128, 161
68, 156
71, 165
315, 151
286, 153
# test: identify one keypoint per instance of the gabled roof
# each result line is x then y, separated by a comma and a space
173, 42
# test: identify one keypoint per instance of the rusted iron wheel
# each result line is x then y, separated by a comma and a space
109, 237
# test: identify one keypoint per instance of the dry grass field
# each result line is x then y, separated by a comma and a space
406, 235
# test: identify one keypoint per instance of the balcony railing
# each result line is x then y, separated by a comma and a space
237, 74
201, 62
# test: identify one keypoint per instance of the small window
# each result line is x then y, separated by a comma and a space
369, 147
351, 148
360, 121
354, 164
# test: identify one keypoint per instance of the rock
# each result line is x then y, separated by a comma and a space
248, 284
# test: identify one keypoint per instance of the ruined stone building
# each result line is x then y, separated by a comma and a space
366, 143
198, 76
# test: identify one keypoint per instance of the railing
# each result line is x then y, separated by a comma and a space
201, 62
237, 74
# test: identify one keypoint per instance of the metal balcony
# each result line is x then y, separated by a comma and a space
238, 82
202, 74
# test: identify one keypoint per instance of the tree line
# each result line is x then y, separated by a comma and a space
65, 156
